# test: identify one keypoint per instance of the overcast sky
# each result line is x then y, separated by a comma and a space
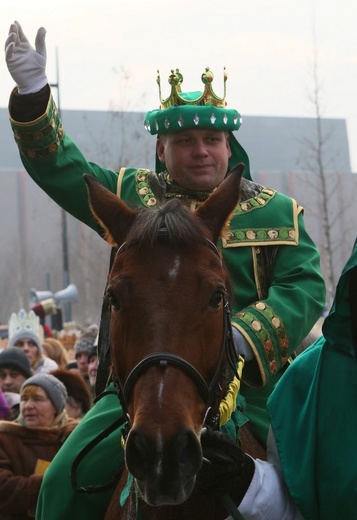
109, 52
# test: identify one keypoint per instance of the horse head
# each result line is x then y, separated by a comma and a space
168, 291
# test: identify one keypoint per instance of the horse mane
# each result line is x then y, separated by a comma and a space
180, 224
182, 228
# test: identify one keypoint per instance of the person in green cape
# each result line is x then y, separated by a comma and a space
273, 262
313, 417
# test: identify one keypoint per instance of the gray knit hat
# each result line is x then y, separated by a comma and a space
53, 387
14, 358
85, 342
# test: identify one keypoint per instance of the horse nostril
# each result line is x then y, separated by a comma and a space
137, 454
186, 451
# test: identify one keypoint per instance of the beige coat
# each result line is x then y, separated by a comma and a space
25, 453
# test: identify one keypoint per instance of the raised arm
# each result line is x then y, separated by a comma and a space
50, 157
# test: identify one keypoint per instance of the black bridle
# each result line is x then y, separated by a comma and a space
209, 391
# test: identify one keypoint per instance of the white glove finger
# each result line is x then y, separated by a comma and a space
40, 42
9, 49
21, 34
11, 39
12, 36
13, 29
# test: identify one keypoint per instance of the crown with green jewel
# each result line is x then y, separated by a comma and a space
185, 110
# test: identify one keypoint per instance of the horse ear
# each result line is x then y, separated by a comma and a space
112, 213
216, 210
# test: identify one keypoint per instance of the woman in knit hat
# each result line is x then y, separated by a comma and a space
79, 399
25, 333
28, 445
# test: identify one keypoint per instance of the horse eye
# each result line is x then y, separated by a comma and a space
216, 299
114, 302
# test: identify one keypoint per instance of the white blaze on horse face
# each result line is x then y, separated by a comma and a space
161, 388
173, 271
159, 440
162, 398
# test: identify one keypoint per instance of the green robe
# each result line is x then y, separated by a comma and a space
313, 415
272, 261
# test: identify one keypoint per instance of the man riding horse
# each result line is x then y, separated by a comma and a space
278, 288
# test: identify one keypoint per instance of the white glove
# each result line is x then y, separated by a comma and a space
26, 65
241, 345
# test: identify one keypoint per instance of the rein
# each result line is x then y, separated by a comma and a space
209, 392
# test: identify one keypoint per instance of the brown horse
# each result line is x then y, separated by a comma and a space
172, 349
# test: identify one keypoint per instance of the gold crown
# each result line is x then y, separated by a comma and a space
208, 97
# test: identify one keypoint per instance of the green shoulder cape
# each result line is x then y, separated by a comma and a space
313, 415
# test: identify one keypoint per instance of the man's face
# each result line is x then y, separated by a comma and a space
30, 348
82, 362
195, 159
11, 380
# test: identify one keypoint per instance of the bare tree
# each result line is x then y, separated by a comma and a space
323, 182
320, 172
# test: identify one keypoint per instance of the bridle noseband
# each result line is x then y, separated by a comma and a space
209, 392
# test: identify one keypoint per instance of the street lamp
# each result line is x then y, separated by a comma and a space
66, 278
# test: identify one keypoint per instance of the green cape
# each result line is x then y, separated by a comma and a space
313, 413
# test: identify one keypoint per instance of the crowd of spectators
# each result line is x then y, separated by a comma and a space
46, 388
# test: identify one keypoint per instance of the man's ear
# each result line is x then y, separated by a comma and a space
228, 145
160, 149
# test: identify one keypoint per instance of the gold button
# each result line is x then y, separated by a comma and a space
251, 235
272, 233
276, 322
256, 325
260, 305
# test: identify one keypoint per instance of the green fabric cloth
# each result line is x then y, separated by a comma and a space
314, 419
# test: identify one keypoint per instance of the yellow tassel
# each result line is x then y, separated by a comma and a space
229, 402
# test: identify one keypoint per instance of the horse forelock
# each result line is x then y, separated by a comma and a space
181, 225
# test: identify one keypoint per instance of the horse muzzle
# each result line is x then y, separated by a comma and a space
165, 470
